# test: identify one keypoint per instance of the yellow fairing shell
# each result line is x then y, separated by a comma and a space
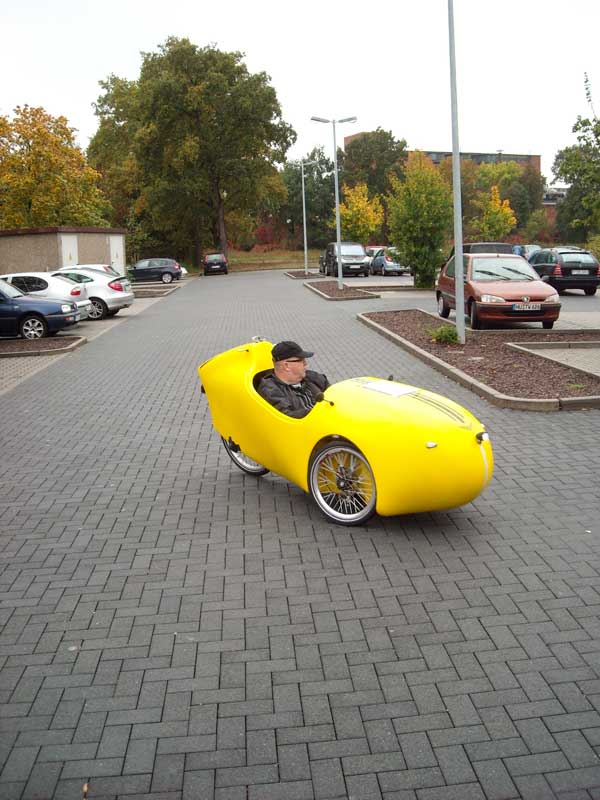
426, 451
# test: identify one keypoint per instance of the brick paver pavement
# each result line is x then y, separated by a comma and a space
173, 629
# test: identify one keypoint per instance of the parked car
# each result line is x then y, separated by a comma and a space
567, 268
53, 287
166, 270
33, 317
372, 250
107, 268
486, 247
355, 260
385, 262
498, 288
530, 249
107, 295
215, 262
369, 445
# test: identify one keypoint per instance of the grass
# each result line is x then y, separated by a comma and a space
241, 261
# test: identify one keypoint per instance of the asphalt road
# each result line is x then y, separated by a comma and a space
173, 629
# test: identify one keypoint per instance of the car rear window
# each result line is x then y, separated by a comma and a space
214, 257
578, 258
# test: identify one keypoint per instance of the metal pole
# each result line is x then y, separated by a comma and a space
459, 285
337, 213
304, 221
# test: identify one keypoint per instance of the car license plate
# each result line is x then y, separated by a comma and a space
527, 306
579, 272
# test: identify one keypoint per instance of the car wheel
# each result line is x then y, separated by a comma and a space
33, 327
113, 313
443, 307
591, 291
475, 321
166, 277
548, 324
99, 308
341, 483
225, 272
241, 460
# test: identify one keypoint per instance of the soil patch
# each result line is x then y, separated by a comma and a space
486, 357
45, 346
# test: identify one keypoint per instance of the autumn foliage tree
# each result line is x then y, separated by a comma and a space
495, 219
45, 179
360, 217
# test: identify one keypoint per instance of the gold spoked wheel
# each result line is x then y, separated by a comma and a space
342, 484
241, 460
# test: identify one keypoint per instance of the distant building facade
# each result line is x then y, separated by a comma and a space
45, 249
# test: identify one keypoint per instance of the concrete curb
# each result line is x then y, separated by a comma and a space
494, 397
53, 352
312, 275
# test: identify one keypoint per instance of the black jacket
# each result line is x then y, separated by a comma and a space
295, 402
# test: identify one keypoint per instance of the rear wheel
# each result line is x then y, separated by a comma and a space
342, 484
548, 324
99, 308
443, 307
590, 291
113, 313
33, 327
474, 319
241, 460
166, 277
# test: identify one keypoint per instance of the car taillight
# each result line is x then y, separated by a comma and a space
117, 285
76, 291
176, 266
557, 270
598, 271
388, 259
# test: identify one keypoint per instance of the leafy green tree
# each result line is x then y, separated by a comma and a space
420, 217
495, 219
205, 133
573, 223
319, 194
538, 227
360, 217
373, 159
468, 184
45, 179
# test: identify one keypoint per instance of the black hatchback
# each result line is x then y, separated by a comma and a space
567, 268
166, 270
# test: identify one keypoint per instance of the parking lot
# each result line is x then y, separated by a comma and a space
176, 630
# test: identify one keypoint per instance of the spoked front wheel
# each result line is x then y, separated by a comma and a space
241, 460
342, 484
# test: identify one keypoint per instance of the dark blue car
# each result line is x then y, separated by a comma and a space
33, 317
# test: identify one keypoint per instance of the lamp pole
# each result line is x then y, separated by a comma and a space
459, 285
302, 165
337, 195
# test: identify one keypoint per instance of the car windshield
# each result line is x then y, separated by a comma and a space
8, 290
214, 257
502, 269
578, 258
352, 250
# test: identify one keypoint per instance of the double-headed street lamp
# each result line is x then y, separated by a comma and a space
302, 165
337, 194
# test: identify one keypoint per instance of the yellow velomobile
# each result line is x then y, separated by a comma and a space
370, 445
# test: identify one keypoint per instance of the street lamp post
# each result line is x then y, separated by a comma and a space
302, 165
337, 195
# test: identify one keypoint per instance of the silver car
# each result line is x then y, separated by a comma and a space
52, 287
107, 294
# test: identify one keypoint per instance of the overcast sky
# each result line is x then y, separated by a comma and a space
520, 63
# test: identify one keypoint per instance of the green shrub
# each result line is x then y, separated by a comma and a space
445, 334
593, 244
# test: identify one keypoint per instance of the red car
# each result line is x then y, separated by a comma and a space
499, 288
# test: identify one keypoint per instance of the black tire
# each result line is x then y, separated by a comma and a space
475, 321
166, 277
443, 307
547, 324
33, 327
590, 291
242, 461
99, 309
113, 313
342, 484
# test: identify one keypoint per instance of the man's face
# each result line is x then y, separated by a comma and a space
293, 369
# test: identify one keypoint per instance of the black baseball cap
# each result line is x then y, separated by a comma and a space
285, 350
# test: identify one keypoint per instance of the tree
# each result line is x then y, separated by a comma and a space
373, 159
495, 219
420, 217
468, 183
44, 177
204, 132
319, 194
360, 217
